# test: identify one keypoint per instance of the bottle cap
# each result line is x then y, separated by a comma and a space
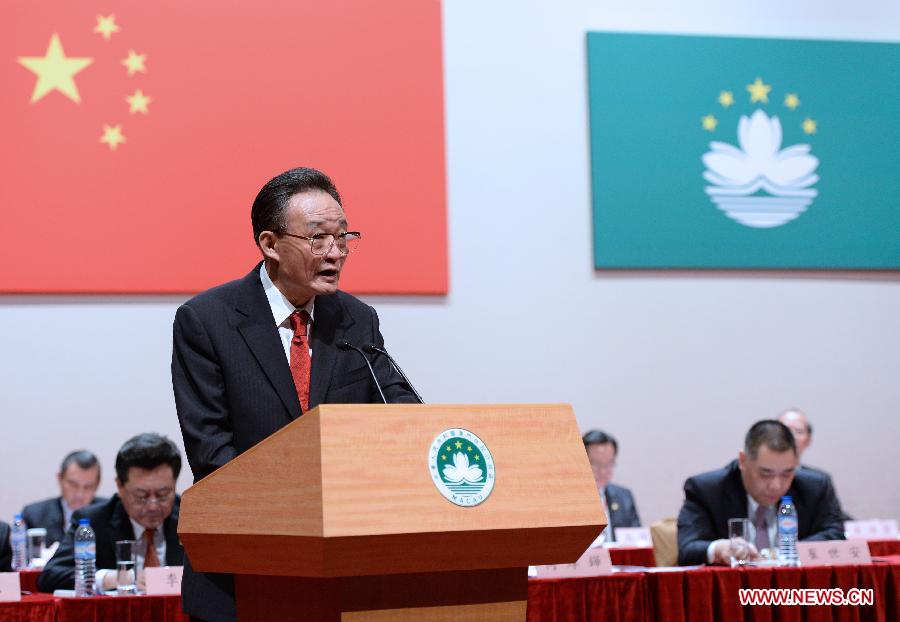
17, 516
787, 499
84, 521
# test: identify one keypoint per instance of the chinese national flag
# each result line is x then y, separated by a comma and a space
136, 135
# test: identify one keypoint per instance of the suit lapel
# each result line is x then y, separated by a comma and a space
120, 523
330, 326
257, 327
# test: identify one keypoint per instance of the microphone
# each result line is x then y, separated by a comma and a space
371, 348
343, 344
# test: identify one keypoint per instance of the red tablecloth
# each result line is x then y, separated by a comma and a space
632, 556
32, 608
711, 594
28, 579
884, 547
120, 608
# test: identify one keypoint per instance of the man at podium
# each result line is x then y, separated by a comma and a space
252, 355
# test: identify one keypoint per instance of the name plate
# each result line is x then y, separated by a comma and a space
10, 587
593, 563
834, 553
873, 529
163, 581
633, 536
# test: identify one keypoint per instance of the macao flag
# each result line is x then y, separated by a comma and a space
715, 152
136, 135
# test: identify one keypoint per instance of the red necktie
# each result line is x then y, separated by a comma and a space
151, 559
300, 360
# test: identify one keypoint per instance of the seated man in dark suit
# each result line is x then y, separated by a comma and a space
79, 478
145, 509
618, 502
5, 548
752, 487
796, 420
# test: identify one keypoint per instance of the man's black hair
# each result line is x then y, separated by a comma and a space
147, 451
269, 211
771, 433
599, 437
83, 458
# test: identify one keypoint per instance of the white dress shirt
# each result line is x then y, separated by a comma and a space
282, 310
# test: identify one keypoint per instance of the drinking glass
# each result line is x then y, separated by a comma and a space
125, 583
739, 536
35, 544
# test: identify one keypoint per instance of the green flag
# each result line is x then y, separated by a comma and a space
725, 152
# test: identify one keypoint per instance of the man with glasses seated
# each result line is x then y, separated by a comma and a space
252, 355
145, 510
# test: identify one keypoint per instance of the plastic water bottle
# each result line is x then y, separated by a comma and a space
85, 558
787, 532
19, 545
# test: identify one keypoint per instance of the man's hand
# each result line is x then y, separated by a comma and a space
724, 550
109, 581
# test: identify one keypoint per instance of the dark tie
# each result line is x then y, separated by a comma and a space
762, 528
151, 559
300, 360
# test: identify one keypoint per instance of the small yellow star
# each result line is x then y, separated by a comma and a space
449, 448
810, 126
709, 123
138, 102
443, 457
726, 98
759, 92
135, 62
469, 448
106, 26
792, 101
55, 71
477, 457
112, 136
458, 445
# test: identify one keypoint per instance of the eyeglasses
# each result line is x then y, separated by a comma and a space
159, 499
321, 243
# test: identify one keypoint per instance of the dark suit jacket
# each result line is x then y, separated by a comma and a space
110, 523
622, 509
710, 499
5, 547
844, 516
49, 515
233, 388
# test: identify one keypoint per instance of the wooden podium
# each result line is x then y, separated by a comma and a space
336, 516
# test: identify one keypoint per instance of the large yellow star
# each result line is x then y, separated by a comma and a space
55, 71
810, 126
135, 62
709, 123
726, 98
458, 445
138, 102
792, 101
759, 92
106, 26
112, 136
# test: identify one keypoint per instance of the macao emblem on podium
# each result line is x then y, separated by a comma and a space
461, 466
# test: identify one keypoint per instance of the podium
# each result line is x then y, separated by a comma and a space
367, 513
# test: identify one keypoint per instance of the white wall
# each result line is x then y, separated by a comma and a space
675, 364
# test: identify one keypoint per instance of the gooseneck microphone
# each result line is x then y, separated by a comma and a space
343, 344
371, 348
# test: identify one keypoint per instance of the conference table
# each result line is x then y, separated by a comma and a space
705, 594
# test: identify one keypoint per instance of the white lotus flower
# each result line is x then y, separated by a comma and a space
461, 470
760, 162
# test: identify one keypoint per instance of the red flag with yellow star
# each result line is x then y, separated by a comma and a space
137, 135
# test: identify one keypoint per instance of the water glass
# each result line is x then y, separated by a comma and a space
125, 583
36, 538
739, 537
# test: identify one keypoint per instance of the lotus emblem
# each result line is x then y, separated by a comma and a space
759, 184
